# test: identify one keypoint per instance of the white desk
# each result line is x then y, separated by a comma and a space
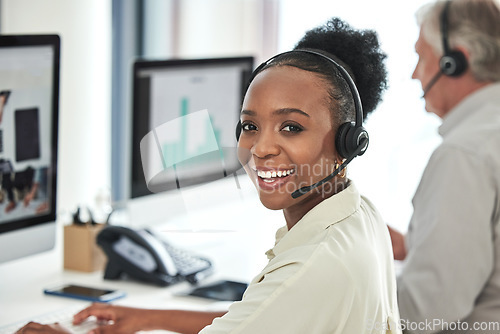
236, 249
22, 298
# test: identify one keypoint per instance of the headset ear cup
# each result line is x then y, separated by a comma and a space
453, 63
349, 137
238, 131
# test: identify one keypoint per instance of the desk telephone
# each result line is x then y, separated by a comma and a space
143, 256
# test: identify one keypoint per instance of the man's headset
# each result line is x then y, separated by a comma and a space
453, 62
351, 139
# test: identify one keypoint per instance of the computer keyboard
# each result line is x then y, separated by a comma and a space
63, 316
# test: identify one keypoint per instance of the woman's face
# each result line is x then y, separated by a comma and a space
287, 139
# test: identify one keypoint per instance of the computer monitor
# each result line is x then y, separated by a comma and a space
186, 103
29, 95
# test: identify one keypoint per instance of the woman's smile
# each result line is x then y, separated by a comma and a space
271, 179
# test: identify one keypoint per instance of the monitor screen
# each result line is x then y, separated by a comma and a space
29, 94
185, 114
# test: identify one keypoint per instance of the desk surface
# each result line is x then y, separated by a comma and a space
26, 300
237, 254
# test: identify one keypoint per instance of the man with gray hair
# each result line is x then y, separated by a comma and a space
450, 281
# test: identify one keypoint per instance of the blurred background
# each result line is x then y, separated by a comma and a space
101, 39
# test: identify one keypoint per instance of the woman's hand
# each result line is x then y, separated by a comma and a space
34, 327
115, 319
398, 244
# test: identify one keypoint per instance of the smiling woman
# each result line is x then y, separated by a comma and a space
331, 269
312, 125
287, 130
301, 123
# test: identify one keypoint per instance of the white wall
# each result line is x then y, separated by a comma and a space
223, 28
220, 32
85, 87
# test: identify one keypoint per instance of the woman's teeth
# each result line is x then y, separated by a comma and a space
273, 174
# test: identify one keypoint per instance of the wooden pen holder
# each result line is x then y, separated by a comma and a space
81, 251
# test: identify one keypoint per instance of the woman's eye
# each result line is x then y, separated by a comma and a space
292, 128
248, 127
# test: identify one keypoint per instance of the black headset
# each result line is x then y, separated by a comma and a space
453, 62
352, 138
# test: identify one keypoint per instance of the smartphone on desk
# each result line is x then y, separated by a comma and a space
84, 292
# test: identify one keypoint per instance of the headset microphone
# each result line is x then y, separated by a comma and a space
432, 82
302, 191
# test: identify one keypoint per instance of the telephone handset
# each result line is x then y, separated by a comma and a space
145, 257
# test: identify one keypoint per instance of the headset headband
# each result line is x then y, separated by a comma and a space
350, 82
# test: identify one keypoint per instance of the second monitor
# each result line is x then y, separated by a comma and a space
193, 102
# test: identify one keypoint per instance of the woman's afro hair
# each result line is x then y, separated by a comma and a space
359, 50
